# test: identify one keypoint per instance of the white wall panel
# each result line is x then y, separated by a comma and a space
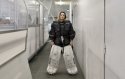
32, 34
89, 42
88, 22
37, 38
41, 26
46, 23
11, 44
31, 42
46, 33
115, 39
16, 68
13, 63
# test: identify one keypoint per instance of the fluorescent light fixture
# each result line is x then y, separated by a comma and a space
67, 9
62, 3
34, 2
11, 0
7, 18
59, 3
37, 3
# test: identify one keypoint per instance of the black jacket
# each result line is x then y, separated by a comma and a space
56, 32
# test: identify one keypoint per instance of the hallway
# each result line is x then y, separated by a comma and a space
40, 61
99, 43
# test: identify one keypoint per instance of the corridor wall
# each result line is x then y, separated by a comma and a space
115, 39
35, 27
13, 35
99, 43
88, 22
13, 59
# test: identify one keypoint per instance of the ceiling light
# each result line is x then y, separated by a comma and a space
34, 2
7, 18
62, 3
67, 9
11, 0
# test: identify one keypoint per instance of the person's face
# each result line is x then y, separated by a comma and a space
62, 16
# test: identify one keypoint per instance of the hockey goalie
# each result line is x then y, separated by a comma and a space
61, 36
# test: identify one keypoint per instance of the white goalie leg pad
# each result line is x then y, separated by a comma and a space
54, 58
69, 60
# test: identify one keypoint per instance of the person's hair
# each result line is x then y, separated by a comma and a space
62, 12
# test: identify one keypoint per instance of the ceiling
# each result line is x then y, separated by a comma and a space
64, 7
